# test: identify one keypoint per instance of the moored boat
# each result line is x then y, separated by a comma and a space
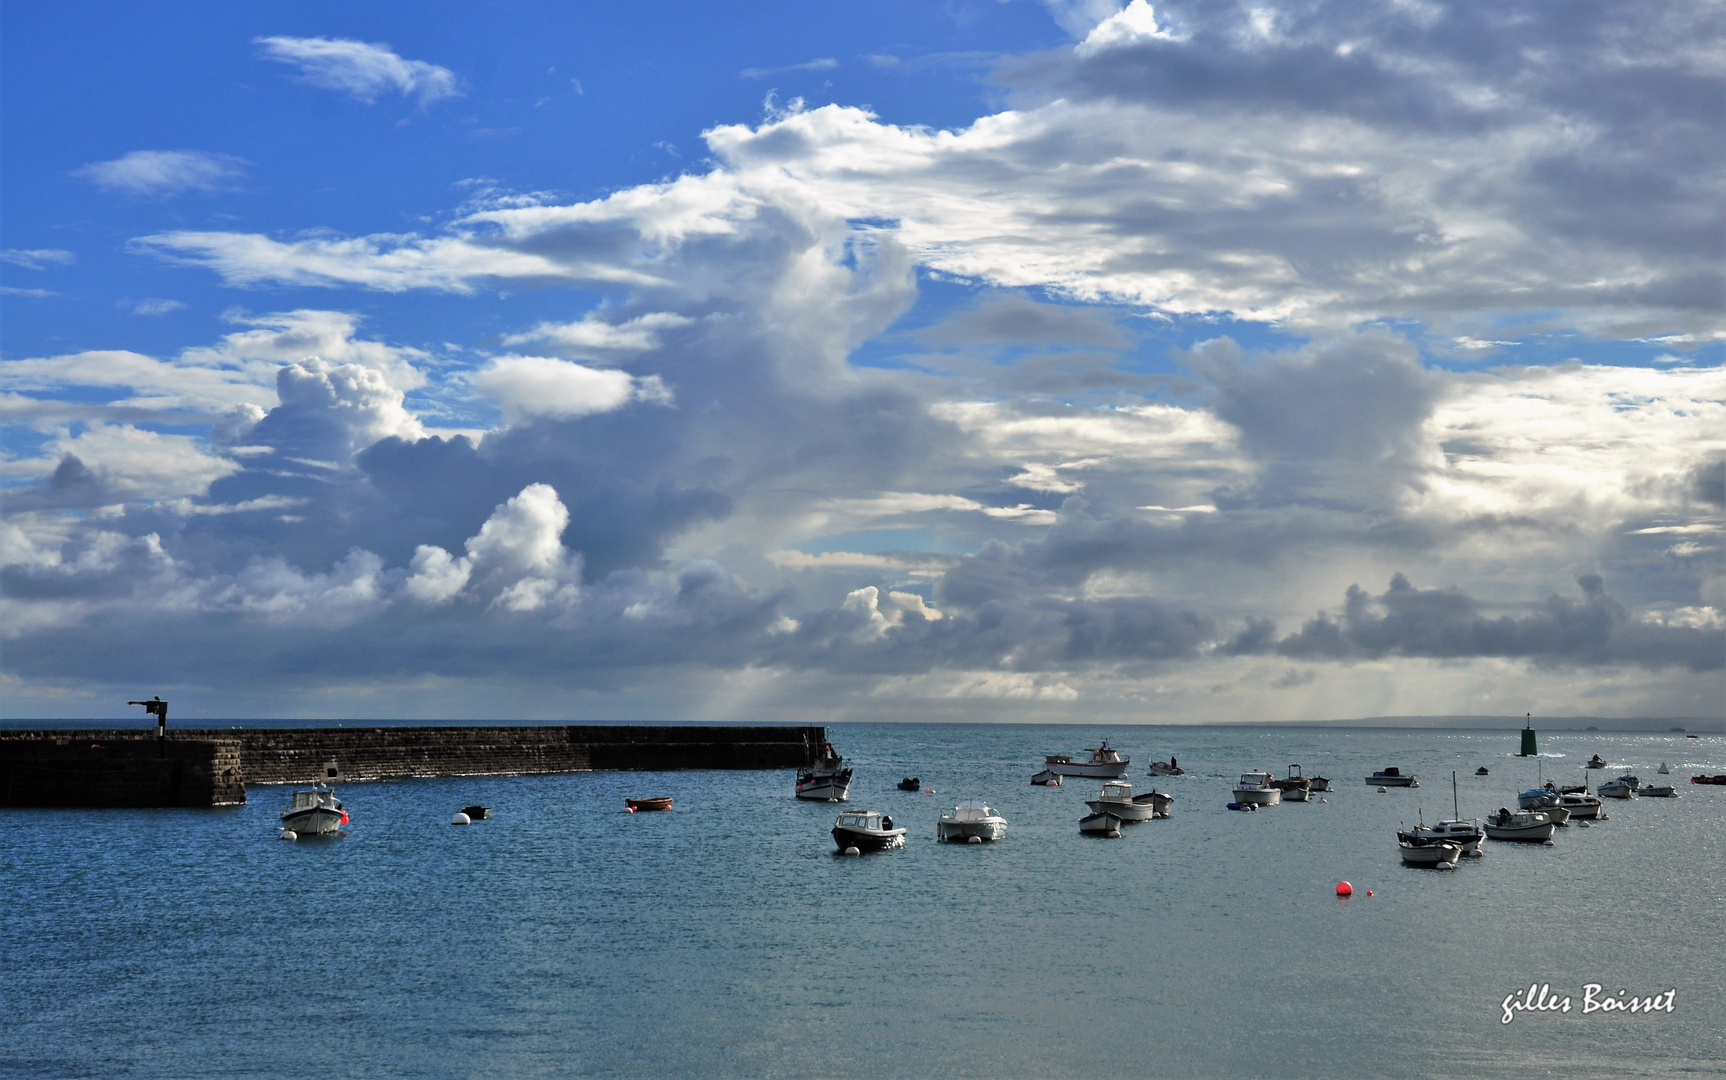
1167, 768
1624, 787
314, 813
827, 780
1105, 763
1466, 835
1531, 826
647, 803
1100, 825
1582, 806
971, 820
911, 783
1047, 778
867, 830
1294, 786
1547, 801
1437, 854
1390, 776
1705, 779
1596, 762
1255, 787
1117, 798
1656, 791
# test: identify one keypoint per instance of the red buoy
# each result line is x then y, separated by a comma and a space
1343, 888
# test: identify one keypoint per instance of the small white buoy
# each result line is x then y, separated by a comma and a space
461, 819
1547, 844
1381, 791
973, 839
851, 851
1582, 824
1324, 800
288, 834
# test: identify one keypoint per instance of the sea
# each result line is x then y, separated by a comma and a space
566, 937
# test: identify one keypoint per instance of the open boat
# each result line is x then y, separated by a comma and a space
1105, 763
1100, 825
971, 820
1167, 768
1596, 762
1047, 778
1437, 854
651, 802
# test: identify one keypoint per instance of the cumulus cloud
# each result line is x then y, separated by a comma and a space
544, 386
329, 412
362, 71
165, 172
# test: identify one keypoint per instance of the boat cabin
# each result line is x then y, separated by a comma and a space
311, 800
1255, 780
863, 819
973, 810
1117, 791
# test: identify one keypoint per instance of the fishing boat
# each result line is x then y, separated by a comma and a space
1531, 826
1656, 791
828, 780
1255, 787
866, 830
1391, 776
1294, 786
314, 813
1167, 768
971, 821
1117, 798
1100, 825
1437, 854
1105, 763
1596, 762
648, 803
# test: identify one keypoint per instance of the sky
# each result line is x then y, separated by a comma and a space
970, 361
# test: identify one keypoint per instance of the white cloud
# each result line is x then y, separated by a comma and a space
593, 334
1135, 23
165, 172
517, 556
135, 464
153, 306
825, 63
28, 294
36, 259
361, 70
545, 386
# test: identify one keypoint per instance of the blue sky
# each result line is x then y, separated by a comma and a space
977, 360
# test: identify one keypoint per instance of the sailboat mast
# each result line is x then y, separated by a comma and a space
1455, 807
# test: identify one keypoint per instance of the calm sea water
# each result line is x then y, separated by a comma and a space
566, 938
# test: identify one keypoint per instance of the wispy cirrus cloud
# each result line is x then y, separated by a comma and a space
825, 63
164, 172
362, 70
36, 259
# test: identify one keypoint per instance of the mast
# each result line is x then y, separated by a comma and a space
1455, 808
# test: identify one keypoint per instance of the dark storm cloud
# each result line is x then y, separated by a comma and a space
1018, 320
1449, 624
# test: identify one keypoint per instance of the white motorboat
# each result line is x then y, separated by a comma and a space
1391, 776
1167, 768
314, 813
1117, 798
1437, 854
1100, 825
1656, 791
827, 780
1530, 825
1105, 763
1547, 801
971, 819
1582, 806
866, 830
1622, 788
1256, 788
1047, 778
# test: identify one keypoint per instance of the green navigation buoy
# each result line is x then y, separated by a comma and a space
1528, 747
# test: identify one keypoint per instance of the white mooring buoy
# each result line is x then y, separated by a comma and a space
973, 839
851, 851
288, 834
461, 819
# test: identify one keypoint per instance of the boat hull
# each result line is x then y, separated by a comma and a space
1533, 833
1296, 794
1469, 842
1430, 855
1126, 811
1320, 783
868, 839
1259, 796
1393, 781
1163, 768
1111, 770
961, 831
1046, 778
656, 802
824, 786
312, 821
1100, 825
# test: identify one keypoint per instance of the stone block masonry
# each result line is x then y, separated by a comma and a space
132, 768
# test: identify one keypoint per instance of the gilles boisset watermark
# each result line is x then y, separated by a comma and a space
1539, 998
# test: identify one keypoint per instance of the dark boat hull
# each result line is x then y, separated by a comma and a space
868, 839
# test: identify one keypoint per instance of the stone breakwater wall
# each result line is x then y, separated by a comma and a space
210, 767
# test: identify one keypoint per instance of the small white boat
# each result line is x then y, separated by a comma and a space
1100, 825
1167, 768
971, 819
314, 813
1622, 788
1117, 798
1047, 778
1294, 786
1105, 763
867, 830
827, 780
1656, 791
1393, 777
1531, 826
1582, 806
1256, 788
1437, 854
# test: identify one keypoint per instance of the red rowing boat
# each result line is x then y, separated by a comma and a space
657, 802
